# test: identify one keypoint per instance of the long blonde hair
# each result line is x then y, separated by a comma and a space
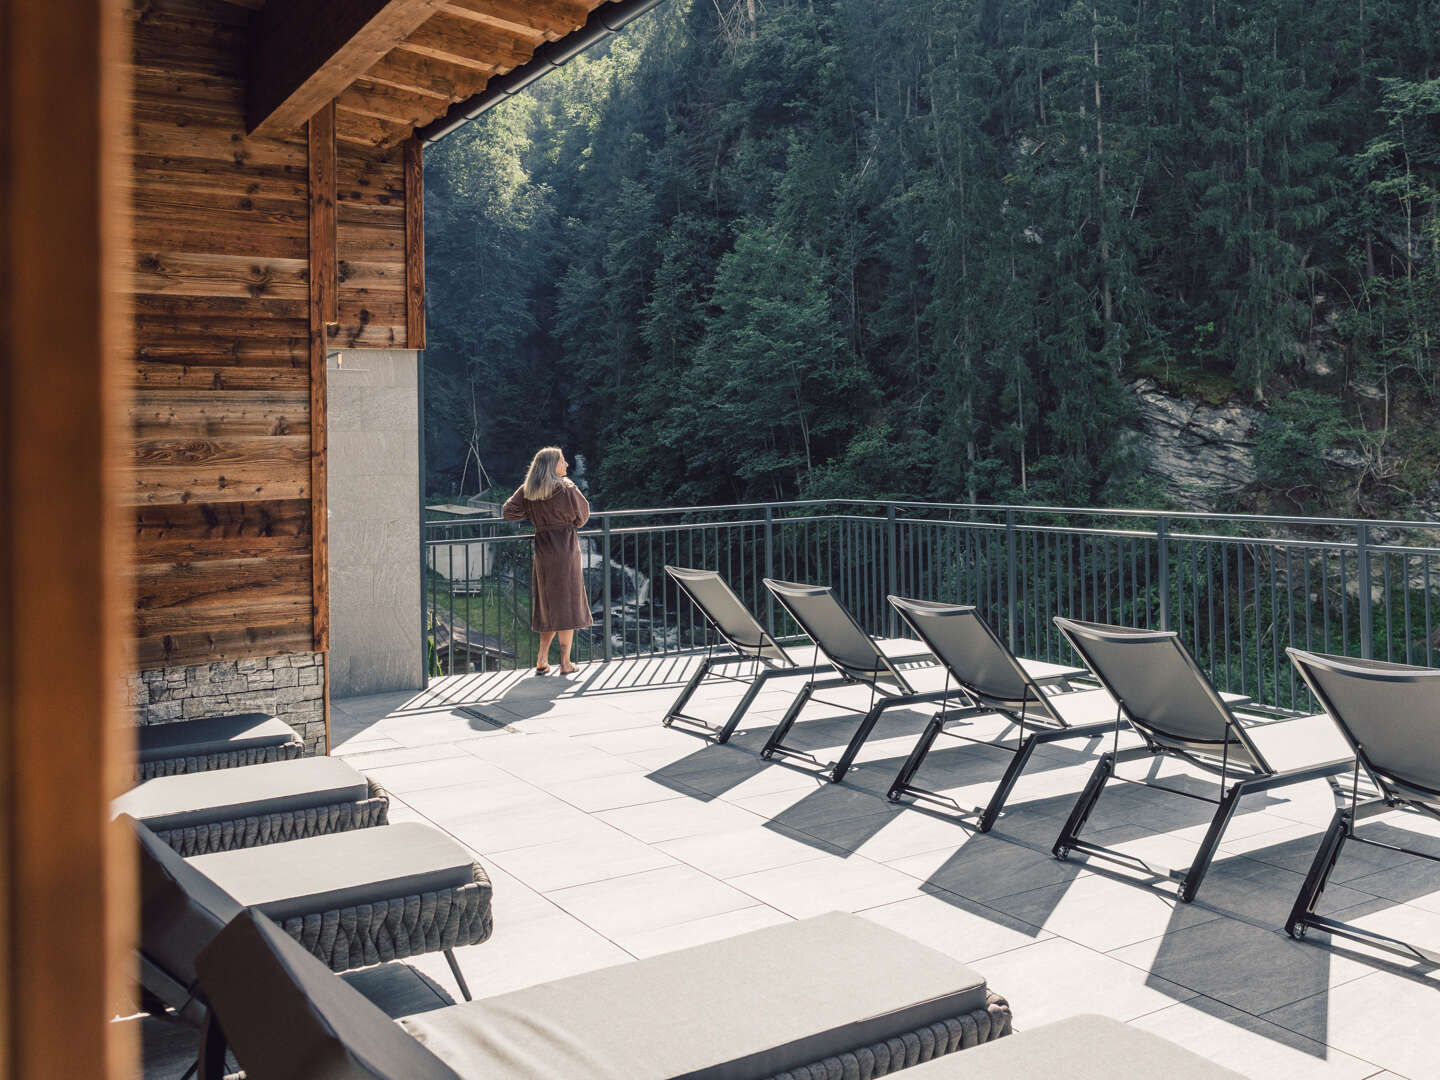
541, 479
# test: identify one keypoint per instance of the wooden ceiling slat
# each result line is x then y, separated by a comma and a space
387, 103
368, 130
548, 20
460, 41
427, 75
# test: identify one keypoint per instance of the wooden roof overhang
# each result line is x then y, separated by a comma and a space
394, 66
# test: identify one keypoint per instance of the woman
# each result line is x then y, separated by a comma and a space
554, 505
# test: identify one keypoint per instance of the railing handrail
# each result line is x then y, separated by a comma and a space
995, 508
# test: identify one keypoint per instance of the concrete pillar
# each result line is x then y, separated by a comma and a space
374, 498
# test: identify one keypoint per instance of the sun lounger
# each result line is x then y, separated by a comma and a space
855, 657
1077, 1048
1177, 711
831, 996
351, 899
995, 680
213, 742
1389, 714
742, 633
197, 813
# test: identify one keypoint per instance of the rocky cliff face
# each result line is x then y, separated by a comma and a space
1200, 452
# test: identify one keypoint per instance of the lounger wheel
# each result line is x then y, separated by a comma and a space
767, 754
667, 721
1061, 853
1296, 931
894, 796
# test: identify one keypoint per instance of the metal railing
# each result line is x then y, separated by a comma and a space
1238, 588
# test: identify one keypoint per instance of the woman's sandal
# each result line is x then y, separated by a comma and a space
542, 670
568, 671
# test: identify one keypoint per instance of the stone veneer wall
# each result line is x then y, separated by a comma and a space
290, 687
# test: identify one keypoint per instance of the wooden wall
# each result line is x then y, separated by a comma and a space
228, 414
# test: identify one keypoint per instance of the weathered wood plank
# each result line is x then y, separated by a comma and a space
254, 244
229, 583
306, 52
205, 414
373, 242
164, 173
237, 469
190, 274
275, 639
241, 530
414, 246
274, 350
383, 276
361, 335
210, 618
207, 377
538, 19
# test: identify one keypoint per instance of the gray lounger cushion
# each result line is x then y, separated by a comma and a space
213, 742
823, 987
196, 813
363, 897
1080, 1048
755, 1005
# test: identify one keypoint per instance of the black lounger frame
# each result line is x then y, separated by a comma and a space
882, 697
1252, 778
1386, 795
762, 667
1035, 729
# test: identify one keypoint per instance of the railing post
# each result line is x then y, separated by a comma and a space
769, 568
892, 567
605, 601
1362, 568
1162, 536
1010, 533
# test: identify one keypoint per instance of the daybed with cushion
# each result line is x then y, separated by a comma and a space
1078, 1048
833, 996
197, 813
350, 899
213, 742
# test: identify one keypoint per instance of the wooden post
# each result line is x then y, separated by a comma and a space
414, 246
67, 875
324, 310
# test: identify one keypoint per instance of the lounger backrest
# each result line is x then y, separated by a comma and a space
1165, 695
181, 909
730, 618
964, 642
288, 1017
834, 630
1389, 713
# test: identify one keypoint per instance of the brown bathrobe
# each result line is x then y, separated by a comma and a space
558, 600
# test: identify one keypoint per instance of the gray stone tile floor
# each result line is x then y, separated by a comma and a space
610, 837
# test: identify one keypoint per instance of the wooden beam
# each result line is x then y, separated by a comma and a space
414, 246
304, 53
68, 911
320, 133
324, 300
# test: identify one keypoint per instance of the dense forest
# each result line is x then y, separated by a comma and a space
760, 249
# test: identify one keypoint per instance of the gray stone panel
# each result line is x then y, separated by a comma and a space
374, 499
